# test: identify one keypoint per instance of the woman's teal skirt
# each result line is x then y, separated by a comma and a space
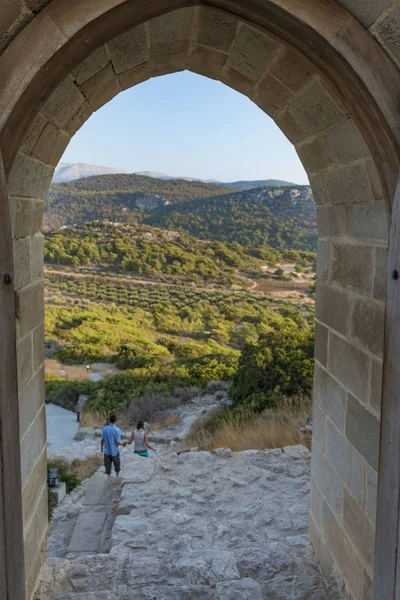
145, 454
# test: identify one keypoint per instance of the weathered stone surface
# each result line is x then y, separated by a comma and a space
372, 494
171, 27
216, 29
343, 552
346, 460
86, 536
31, 401
316, 155
352, 267
237, 81
30, 308
347, 142
314, 110
363, 431
29, 177
79, 118
316, 504
290, 128
321, 343
292, 69
350, 365
380, 273
33, 134
385, 29
332, 307
366, 11
36, 266
376, 385
368, 222
332, 220
129, 49
207, 62
244, 589
22, 262
101, 88
319, 427
169, 57
89, 67
367, 323
329, 482
32, 445
330, 396
63, 103
322, 259
359, 530
251, 53
348, 184
24, 361
270, 95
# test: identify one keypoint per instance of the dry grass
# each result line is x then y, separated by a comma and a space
168, 421
76, 471
271, 429
92, 419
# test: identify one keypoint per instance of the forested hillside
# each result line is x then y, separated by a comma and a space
280, 217
117, 197
249, 185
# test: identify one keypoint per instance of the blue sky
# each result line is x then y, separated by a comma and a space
186, 125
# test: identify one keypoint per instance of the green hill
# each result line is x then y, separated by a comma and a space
283, 218
118, 197
249, 185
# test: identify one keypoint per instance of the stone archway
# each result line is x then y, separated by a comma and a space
311, 70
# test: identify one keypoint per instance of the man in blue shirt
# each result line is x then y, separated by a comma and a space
110, 440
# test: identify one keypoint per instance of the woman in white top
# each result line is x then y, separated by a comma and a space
139, 436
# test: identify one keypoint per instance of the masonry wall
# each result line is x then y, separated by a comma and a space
352, 256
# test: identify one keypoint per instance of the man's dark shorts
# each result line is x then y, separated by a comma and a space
112, 460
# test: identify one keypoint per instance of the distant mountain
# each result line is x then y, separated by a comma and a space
118, 197
72, 171
282, 217
249, 185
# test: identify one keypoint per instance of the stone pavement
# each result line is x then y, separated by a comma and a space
221, 526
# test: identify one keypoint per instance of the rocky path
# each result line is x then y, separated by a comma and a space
221, 526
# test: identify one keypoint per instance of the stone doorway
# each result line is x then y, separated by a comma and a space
333, 91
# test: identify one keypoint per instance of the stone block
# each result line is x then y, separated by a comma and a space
236, 81
321, 343
327, 481
325, 558
332, 221
372, 494
79, 118
332, 307
31, 401
38, 347
61, 142
37, 479
380, 273
26, 216
359, 530
51, 145
350, 365
386, 29
30, 307
171, 27
89, 67
330, 396
63, 103
346, 460
292, 69
42, 511
290, 128
375, 387
24, 361
129, 49
343, 553
314, 110
10, 12
366, 11
36, 255
367, 323
252, 52
322, 259
207, 62
316, 155
366, 587
270, 95
216, 29
33, 134
32, 445
87, 533
101, 88
31, 542
363, 431
348, 184
352, 267
374, 180
319, 427
347, 142
132, 77
170, 57
29, 177
316, 505
368, 222
320, 194
22, 262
